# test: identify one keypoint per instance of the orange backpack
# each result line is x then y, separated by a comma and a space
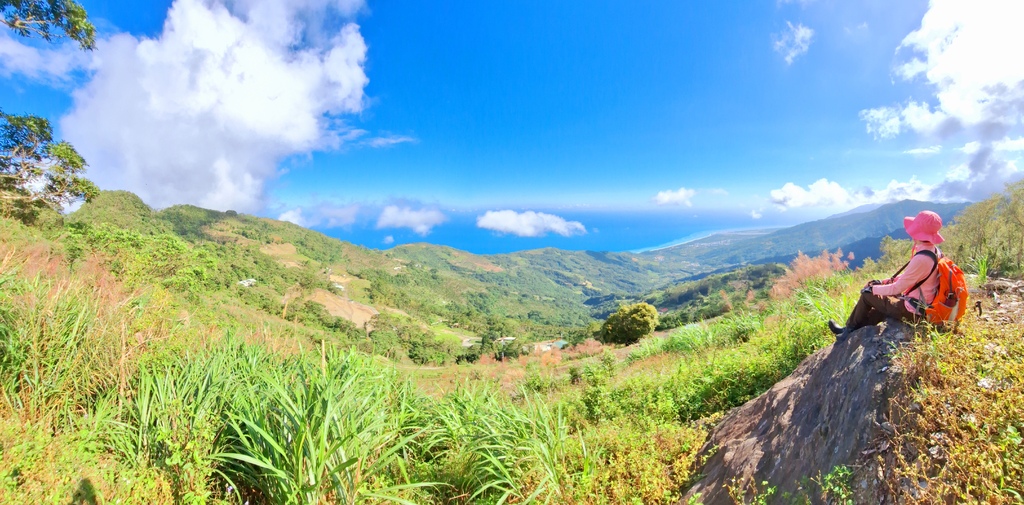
950, 302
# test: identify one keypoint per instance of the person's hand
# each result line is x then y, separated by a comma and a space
867, 289
874, 282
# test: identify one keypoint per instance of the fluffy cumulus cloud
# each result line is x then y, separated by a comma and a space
965, 53
529, 223
826, 193
681, 196
793, 41
756, 214
420, 221
204, 112
294, 216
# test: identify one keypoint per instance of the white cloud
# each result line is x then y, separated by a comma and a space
325, 214
204, 112
971, 147
793, 41
924, 151
821, 193
388, 140
718, 192
335, 217
965, 53
529, 223
388, 240
756, 214
1009, 144
52, 64
882, 122
969, 59
293, 216
825, 193
679, 196
420, 221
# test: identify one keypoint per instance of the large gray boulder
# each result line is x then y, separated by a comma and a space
831, 411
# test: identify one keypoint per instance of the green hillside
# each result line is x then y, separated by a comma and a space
135, 369
304, 275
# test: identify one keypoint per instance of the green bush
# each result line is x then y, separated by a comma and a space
629, 324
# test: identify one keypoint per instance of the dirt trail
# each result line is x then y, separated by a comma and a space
339, 306
285, 253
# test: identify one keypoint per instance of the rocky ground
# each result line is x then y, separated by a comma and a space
831, 411
1002, 301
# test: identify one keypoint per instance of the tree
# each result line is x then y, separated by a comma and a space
35, 171
629, 324
49, 19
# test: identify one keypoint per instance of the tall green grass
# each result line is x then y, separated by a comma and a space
310, 433
206, 417
728, 330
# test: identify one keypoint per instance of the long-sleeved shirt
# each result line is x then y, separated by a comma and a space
920, 267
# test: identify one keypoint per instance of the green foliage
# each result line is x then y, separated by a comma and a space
702, 299
120, 209
35, 171
836, 486
727, 331
305, 434
49, 19
487, 450
992, 229
980, 267
629, 324
141, 260
145, 384
747, 493
962, 437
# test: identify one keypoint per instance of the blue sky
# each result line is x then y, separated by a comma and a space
496, 126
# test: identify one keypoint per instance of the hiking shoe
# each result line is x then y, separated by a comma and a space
842, 335
835, 328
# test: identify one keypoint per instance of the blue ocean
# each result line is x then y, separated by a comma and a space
617, 231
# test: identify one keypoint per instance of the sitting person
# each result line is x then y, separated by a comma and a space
908, 293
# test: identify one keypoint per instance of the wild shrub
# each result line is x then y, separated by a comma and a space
993, 229
639, 464
960, 419
65, 342
588, 347
805, 268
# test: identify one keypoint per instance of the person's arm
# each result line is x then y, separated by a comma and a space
920, 267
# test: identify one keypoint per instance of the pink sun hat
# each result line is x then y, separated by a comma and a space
924, 227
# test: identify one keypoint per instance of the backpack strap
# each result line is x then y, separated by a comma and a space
935, 258
919, 302
905, 265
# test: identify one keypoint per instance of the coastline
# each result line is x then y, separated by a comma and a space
693, 237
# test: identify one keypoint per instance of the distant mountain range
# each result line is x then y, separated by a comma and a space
859, 231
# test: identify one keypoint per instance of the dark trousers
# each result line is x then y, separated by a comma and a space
873, 309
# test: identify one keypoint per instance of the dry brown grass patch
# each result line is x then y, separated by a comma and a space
960, 420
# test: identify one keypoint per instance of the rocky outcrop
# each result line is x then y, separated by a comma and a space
831, 411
